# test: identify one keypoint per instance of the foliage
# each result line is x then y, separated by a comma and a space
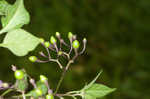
14, 17
21, 42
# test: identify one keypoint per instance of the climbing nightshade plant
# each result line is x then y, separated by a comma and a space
13, 17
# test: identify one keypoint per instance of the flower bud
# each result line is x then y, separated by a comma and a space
57, 34
41, 40
75, 44
43, 78
70, 35
14, 68
74, 37
33, 58
84, 40
53, 40
47, 44
32, 80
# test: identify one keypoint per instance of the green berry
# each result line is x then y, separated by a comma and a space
57, 34
70, 35
41, 40
75, 44
19, 74
33, 58
49, 96
38, 92
53, 40
43, 78
47, 44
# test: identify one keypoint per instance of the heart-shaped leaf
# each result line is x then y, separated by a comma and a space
20, 42
15, 17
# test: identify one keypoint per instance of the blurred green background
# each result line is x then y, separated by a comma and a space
118, 33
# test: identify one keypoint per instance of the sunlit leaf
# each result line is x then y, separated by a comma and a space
4, 6
15, 18
20, 42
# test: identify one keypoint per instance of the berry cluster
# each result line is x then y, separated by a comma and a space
41, 88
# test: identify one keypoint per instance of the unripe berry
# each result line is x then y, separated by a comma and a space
57, 34
70, 35
47, 44
75, 44
53, 40
49, 96
19, 74
38, 92
33, 58
43, 78
41, 40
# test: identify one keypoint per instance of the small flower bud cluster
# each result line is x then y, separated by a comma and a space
56, 44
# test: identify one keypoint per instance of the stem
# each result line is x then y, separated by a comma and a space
49, 56
56, 47
26, 95
70, 46
56, 60
62, 76
66, 54
6, 92
71, 95
23, 95
60, 81
84, 47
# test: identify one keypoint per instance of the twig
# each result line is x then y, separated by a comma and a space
62, 76
56, 60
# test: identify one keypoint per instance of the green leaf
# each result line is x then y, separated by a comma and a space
93, 90
93, 81
97, 91
15, 18
4, 6
89, 97
20, 42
